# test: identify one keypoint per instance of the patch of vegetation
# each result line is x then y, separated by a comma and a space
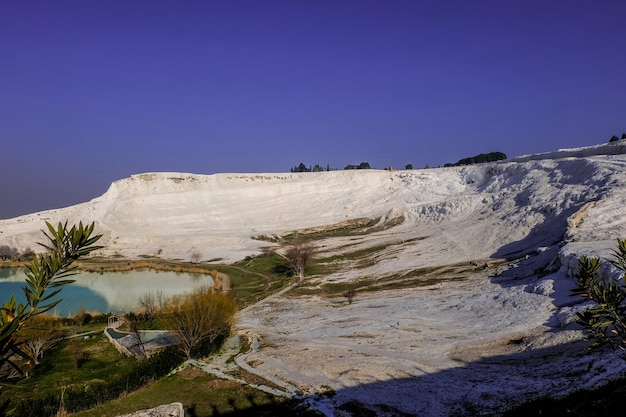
92, 364
251, 378
356, 259
608, 400
605, 320
420, 277
244, 344
256, 277
362, 165
76, 361
75, 395
480, 158
121, 265
358, 226
303, 168
202, 395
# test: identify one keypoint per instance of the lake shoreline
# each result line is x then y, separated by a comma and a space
122, 265
112, 287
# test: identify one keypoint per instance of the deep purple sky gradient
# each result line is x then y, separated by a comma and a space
94, 91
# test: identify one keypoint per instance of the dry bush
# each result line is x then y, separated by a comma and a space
202, 317
195, 257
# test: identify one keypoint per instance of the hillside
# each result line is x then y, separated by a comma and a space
462, 274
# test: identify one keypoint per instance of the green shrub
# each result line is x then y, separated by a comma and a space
605, 320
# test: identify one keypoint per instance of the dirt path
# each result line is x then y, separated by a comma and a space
228, 365
230, 361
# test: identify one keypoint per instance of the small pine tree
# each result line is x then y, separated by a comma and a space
614, 138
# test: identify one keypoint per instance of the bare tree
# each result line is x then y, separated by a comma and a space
138, 347
148, 304
39, 334
202, 317
350, 295
160, 300
195, 257
298, 257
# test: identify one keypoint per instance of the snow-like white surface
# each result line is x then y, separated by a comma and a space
484, 342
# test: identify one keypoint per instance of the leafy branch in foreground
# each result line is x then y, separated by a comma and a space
604, 321
45, 276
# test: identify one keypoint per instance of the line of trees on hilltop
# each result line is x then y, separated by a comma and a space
478, 159
493, 156
317, 168
304, 168
614, 138
362, 165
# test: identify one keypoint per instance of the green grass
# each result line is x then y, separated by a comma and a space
355, 259
352, 227
255, 278
419, 277
202, 395
58, 367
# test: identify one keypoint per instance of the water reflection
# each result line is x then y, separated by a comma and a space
108, 291
6, 273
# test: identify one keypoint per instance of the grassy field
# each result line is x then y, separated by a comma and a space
82, 361
86, 360
202, 395
77, 361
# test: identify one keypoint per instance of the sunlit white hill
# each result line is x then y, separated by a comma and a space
492, 326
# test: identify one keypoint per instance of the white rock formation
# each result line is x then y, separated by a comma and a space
472, 338
168, 410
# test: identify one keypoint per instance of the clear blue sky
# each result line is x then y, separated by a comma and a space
94, 91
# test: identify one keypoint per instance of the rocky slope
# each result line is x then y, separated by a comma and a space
468, 273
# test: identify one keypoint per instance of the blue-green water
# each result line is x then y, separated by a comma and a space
109, 291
